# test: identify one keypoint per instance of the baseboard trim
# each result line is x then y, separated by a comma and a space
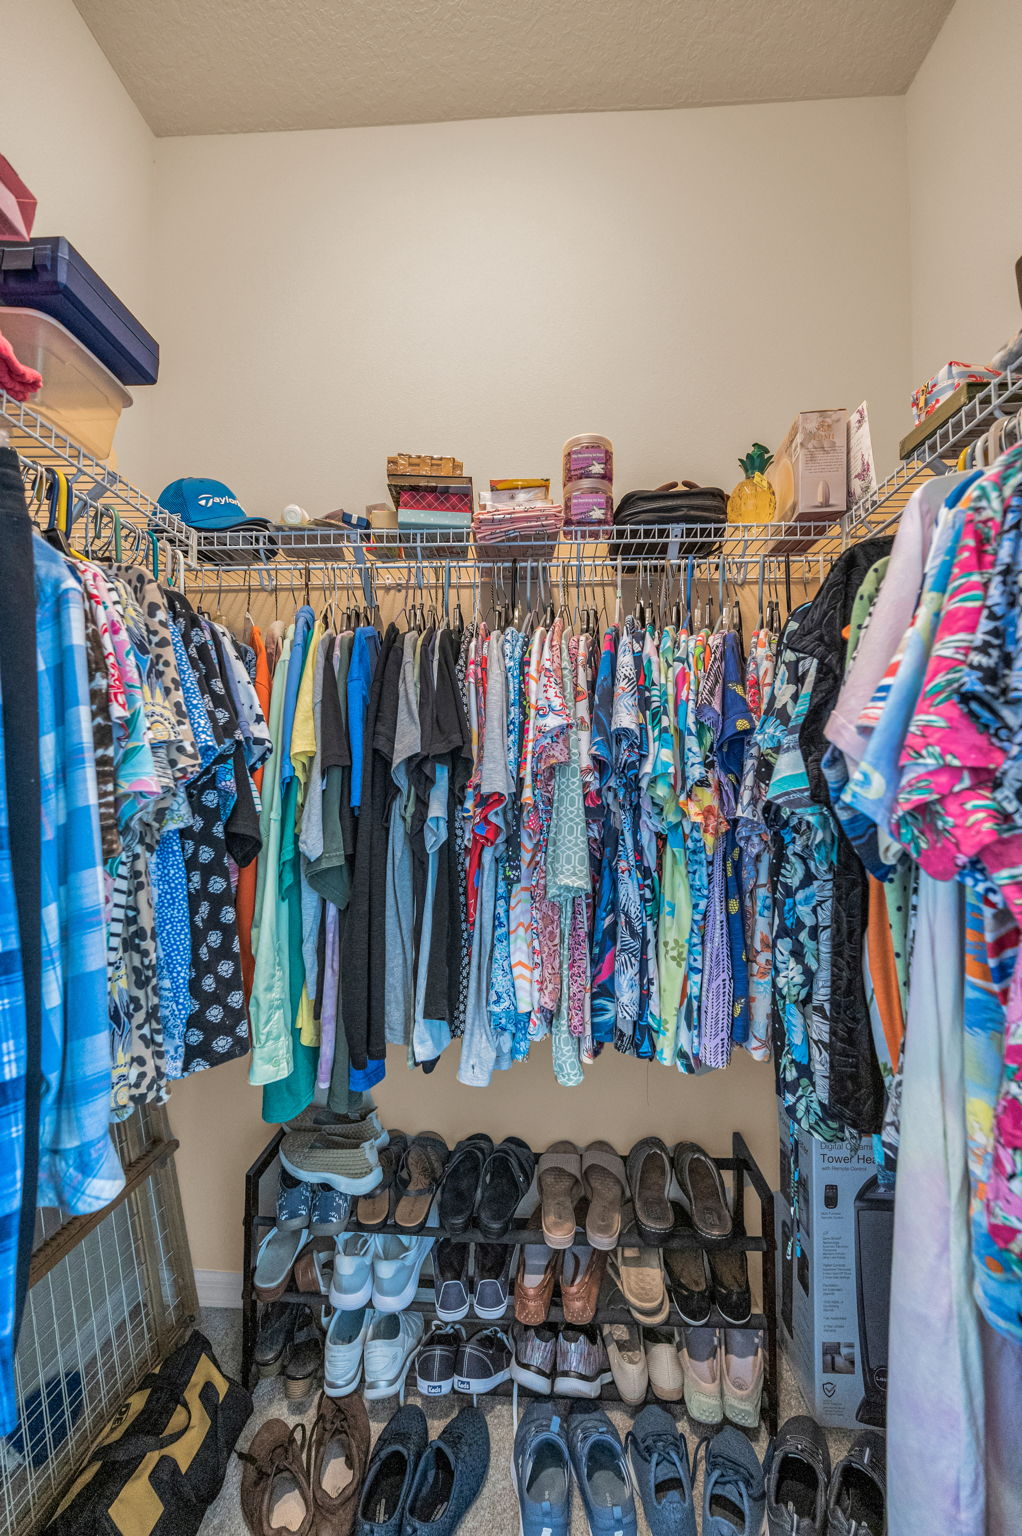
218, 1287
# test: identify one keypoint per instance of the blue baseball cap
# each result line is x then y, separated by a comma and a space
207, 505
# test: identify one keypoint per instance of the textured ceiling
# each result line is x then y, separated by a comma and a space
246, 66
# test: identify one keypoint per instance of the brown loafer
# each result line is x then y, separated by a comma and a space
275, 1494
337, 1460
534, 1283
582, 1275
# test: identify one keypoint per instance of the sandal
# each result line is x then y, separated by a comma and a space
702, 1190
507, 1179
418, 1179
638, 1274
462, 1178
606, 1184
560, 1186
373, 1211
649, 1174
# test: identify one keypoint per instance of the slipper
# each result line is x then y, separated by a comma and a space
373, 1211
462, 1178
702, 1190
507, 1179
418, 1179
606, 1184
649, 1174
560, 1187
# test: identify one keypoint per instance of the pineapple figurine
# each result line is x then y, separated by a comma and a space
753, 499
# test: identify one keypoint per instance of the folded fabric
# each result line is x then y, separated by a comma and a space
19, 382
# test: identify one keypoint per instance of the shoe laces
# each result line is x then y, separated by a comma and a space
279, 1459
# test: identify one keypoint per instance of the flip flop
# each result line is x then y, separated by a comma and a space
606, 1184
373, 1211
418, 1179
560, 1188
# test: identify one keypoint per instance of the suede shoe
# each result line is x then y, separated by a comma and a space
601, 1471
542, 1471
392, 1468
797, 1479
662, 1474
857, 1503
732, 1486
275, 1494
449, 1477
337, 1457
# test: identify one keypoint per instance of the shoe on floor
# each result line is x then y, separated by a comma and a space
330, 1211
484, 1362
857, 1503
507, 1178
437, 1358
450, 1280
275, 1259
391, 1473
732, 1486
294, 1202
491, 1285
462, 1178
342, 1353
663, 1363
700, 1363
397, 1264
275, 1493
535, 1357
448, 1478
390, 1344
337, 1457
582, 1368
797, 1479
627, 1358
276, 1331
351, 1284
542, 1470
742, 1368
601, 1471
661, 1472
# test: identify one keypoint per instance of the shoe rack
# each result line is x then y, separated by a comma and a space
750, 1193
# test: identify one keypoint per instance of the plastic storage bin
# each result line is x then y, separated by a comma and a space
79, 396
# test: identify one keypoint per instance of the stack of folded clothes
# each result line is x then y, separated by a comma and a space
518, 512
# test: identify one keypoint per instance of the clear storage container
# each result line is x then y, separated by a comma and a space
79, 396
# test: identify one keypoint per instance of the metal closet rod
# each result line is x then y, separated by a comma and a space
273, 576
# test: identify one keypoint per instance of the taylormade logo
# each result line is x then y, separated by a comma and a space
206, 500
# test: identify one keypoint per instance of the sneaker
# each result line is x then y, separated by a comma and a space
342, 1353
450, 1281
733, 1497
294, 1203
627, 1357
662, 1476
542, 1472
350, 1166
492, 1285
582, 1368
390, 1344
353, 1129
535, 1357
351, 1284
857, 1505
449, 1477
664, 1364
330, 1211
700, 1363
484, 1362
797, 1476
742, 1368
435, 1362
392, 1468
601, 1471
397, 1264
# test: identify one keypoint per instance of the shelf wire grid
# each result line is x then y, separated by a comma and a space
94, 1324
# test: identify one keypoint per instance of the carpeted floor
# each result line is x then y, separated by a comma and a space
496, 1510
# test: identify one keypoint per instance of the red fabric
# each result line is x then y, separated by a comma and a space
15, 378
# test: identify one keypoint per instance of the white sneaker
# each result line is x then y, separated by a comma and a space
351, 1284
342, 1352
396, 1267
390, 1346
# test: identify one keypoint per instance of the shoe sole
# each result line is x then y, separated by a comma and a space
296, 1387
434, 1388
328, 1229
400, 1302
344, 1186
489, 1314
343, 1388
488, 1384
270, 1368
373, 1393
295, 1224
346, 1301
454, 1317
541, 1385
578, 1386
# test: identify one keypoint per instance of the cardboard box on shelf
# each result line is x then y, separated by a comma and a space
809, 474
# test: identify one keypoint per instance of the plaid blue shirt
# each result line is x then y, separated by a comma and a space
12, 1110
78, 1166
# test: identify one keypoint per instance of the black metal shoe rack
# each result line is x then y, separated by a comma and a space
749, 1185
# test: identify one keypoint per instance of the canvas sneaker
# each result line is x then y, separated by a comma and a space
492, 1283
436, 1360
450, 1281
294, 1202
330, 1211
484, 1362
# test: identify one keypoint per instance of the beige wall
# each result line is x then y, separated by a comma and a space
965, 177
72, 133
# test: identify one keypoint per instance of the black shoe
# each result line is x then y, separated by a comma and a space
395, 1461
857, 1505
276, 1332
449, 1478
450, 1281
492, 1284
687, 1279
729, 1271
436, 1360
506, 1179
484, 1362
462, 1177
797, 1478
